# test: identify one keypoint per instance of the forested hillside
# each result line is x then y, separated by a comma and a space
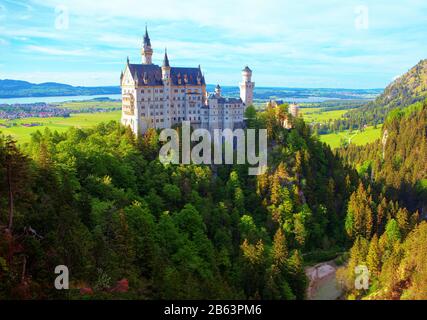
397, 164
100, 202
388, 237
404, 91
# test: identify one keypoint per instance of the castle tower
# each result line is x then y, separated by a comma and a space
166, 77
247, 87
166, 68
147, 51
294, 110
218, 91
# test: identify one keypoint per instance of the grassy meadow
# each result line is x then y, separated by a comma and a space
370, 134
334, 140
80, 120
79, 105
313, 115
22, 133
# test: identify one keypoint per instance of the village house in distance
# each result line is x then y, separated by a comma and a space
159, 97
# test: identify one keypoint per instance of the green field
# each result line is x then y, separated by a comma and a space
316, 115
79, 120
312, 115
84, 120
78, 105
370, 134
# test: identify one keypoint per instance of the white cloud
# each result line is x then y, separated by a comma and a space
241, 18
280, 39
30, 33
57, 51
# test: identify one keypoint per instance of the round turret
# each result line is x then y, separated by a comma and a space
218, 90
247, 74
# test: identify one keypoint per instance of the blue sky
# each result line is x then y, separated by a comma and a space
304, 43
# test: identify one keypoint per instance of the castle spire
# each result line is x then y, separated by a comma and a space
166, 59
147, 41
135, 77
166, 69
147, 51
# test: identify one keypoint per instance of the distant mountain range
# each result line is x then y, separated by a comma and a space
22, 89
18, 89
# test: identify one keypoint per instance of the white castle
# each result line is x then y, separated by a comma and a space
160, 97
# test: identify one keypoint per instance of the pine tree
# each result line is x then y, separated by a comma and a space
297, 278
402, 218
360, 219
275, 197
300, 230
279, 250
381, 215
373, 259
17, 173
392, 231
